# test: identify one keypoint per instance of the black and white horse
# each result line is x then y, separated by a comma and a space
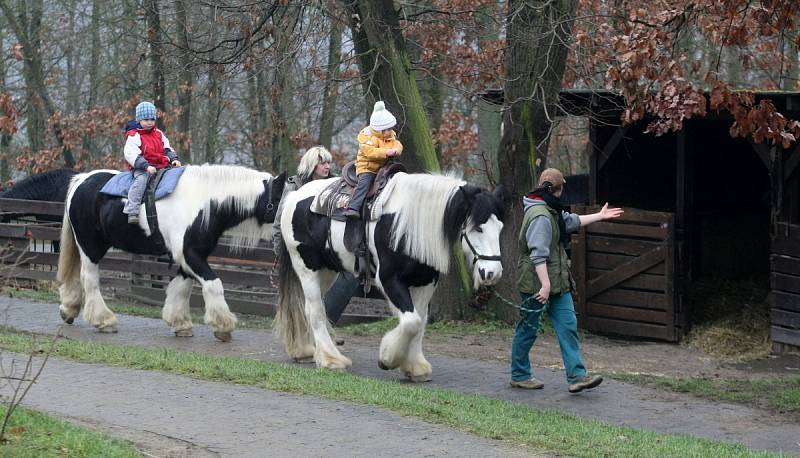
208, 201
49, 186
410, 243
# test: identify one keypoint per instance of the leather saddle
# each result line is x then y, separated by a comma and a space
333, 200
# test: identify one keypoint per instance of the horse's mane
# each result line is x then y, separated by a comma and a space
419, 203
49, 186
234, 186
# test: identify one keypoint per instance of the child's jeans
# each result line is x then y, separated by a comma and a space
365, 180
136, 192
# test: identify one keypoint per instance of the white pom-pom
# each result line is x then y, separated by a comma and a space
379, 106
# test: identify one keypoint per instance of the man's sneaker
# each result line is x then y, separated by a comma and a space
351, 213
584, 383
133, 219
530, 384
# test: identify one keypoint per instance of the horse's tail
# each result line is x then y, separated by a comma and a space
69, 262
291, 325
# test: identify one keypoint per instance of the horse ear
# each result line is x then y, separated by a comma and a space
278, 183
470, 192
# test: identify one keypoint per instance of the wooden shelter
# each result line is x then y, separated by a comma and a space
698, 203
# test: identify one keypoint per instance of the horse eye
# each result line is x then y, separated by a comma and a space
478, 229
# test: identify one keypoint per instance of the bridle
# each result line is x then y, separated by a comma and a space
475, 255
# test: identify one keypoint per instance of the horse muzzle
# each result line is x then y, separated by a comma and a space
487, 273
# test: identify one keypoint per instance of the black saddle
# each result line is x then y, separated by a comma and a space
336, 197
384, 174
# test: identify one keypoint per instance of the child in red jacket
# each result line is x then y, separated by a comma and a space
146, 150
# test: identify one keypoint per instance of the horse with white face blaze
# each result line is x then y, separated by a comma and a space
208, 201
422, 216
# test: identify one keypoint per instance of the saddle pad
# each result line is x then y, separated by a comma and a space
119, 184
333, 200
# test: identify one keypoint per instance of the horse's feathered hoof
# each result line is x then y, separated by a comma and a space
67, 319
419, 378
184, 333
108, 329
383, 366
223, 336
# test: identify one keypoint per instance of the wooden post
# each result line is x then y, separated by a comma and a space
592, 162
580, 272
679, 272
791, 181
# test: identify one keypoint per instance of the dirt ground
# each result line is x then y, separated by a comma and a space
609, 355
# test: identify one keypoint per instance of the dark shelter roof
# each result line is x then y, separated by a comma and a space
608, 105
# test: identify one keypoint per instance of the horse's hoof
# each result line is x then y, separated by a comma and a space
304, 360
184, 333
108, 329
67, 319
419, 378
383, 366
223, 336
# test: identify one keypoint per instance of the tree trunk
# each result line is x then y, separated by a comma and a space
73, 64
489, 121
263, 112
155, 42
252, 114
5, 138
213, 112
331, 86
792, 69
184, 80
285, 21
94, 73
132, 73
365, 55
538, 34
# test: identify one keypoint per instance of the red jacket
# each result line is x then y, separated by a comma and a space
152, 146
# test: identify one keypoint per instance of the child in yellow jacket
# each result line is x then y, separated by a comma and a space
376, 144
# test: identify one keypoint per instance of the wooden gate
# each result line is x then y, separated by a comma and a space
785, 283
625, 270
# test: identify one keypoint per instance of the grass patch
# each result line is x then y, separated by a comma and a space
490, 418
779, 394
34, 434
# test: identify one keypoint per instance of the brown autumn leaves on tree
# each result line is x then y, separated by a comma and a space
644, 45
641, 49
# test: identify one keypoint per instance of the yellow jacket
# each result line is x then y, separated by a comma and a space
372, 149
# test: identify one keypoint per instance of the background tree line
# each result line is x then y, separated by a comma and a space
257, 82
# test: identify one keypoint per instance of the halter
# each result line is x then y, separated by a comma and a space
475, 255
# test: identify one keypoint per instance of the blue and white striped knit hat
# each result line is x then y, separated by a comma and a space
145, 110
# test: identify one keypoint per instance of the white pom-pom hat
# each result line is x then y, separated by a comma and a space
381, 118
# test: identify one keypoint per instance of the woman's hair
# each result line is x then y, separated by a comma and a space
313, 157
